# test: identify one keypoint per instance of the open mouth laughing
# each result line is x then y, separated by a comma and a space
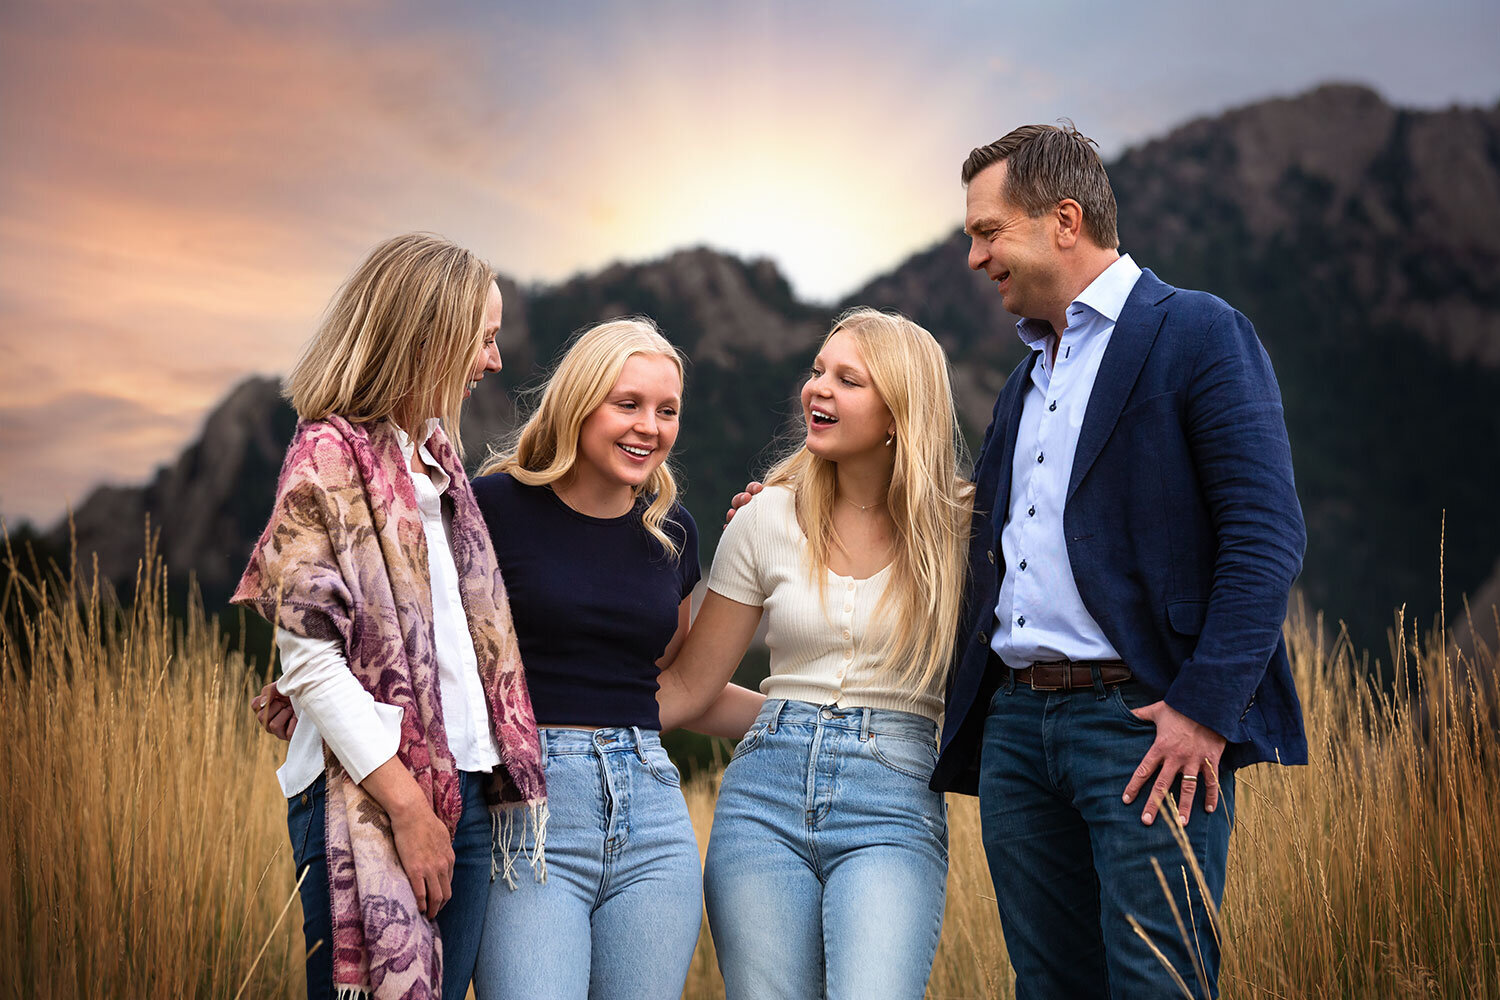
637, 453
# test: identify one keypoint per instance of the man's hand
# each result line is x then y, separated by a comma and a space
740, 499
273, 710
1182, 747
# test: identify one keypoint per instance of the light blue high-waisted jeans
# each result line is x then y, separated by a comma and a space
827, 867
619, 913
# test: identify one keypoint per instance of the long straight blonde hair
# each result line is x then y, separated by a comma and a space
399, 338
545, 449
930, 505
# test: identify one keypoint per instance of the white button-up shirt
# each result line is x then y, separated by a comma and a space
1040, 615
331, 704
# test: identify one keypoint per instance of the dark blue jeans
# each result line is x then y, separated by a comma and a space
461, 920
1071, 861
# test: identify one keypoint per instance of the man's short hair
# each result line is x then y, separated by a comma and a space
1048, 164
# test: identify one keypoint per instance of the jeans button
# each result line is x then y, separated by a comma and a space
305, 798
827, 714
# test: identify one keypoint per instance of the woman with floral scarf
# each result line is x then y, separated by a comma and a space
417, 749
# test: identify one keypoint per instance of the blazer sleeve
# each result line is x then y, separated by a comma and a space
1237, 434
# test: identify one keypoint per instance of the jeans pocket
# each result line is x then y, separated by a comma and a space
1122, 712
909, 757
659, 762
751, 740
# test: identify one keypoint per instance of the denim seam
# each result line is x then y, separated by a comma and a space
611, 818
810, 803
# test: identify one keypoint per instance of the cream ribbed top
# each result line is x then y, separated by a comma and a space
824, 647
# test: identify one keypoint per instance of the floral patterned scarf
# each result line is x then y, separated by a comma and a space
345, 558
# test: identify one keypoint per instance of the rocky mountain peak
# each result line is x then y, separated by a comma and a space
1362, 240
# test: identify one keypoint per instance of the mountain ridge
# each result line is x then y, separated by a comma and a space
1326, 218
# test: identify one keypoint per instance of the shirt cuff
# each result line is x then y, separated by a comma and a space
362, 732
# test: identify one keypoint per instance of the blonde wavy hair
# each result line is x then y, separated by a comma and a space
545, 449
399, 338
930, 504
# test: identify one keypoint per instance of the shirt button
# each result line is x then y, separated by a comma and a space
848, 609
846, 633
991, 554
1053, 406
1031, 511
1021, 621
851, 585
982, 639
1039, 458
1023, 563
841, 675
848, 654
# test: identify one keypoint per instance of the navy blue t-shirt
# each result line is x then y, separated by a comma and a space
594, 601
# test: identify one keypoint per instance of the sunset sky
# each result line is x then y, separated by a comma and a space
183, 184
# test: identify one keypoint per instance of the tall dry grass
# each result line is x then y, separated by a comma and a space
145, 846
143, 833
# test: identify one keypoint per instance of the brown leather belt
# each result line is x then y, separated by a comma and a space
1070, 675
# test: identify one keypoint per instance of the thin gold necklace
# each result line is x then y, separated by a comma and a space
877, 503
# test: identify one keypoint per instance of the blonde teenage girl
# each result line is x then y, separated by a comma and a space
601, 560
826, 868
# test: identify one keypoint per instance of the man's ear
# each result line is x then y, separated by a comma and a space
1069, 217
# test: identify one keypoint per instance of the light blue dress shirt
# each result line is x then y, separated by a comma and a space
1040, 615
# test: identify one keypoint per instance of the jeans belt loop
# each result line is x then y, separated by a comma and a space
864, 725
776, 707
1010, 680
541, 744
1097, 675
640, 751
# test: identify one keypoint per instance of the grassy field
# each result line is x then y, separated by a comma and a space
145, 855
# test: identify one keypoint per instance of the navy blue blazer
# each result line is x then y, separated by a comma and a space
1182, 527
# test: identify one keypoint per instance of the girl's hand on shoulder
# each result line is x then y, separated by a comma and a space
740, 499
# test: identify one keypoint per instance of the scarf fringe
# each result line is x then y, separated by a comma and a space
353, 993
508, 841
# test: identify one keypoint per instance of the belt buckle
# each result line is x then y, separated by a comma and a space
1066, 685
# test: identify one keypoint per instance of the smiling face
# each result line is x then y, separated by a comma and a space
845, 416
1016, 251
487, 358
629, 435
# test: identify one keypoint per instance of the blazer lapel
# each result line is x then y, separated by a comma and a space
1135, 332
1017, 386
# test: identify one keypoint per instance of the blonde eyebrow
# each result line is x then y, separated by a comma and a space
639, 396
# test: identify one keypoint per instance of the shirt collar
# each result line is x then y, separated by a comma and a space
428, 428
1105, 295
439, 477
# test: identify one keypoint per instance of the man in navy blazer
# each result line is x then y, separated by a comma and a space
1136, 534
